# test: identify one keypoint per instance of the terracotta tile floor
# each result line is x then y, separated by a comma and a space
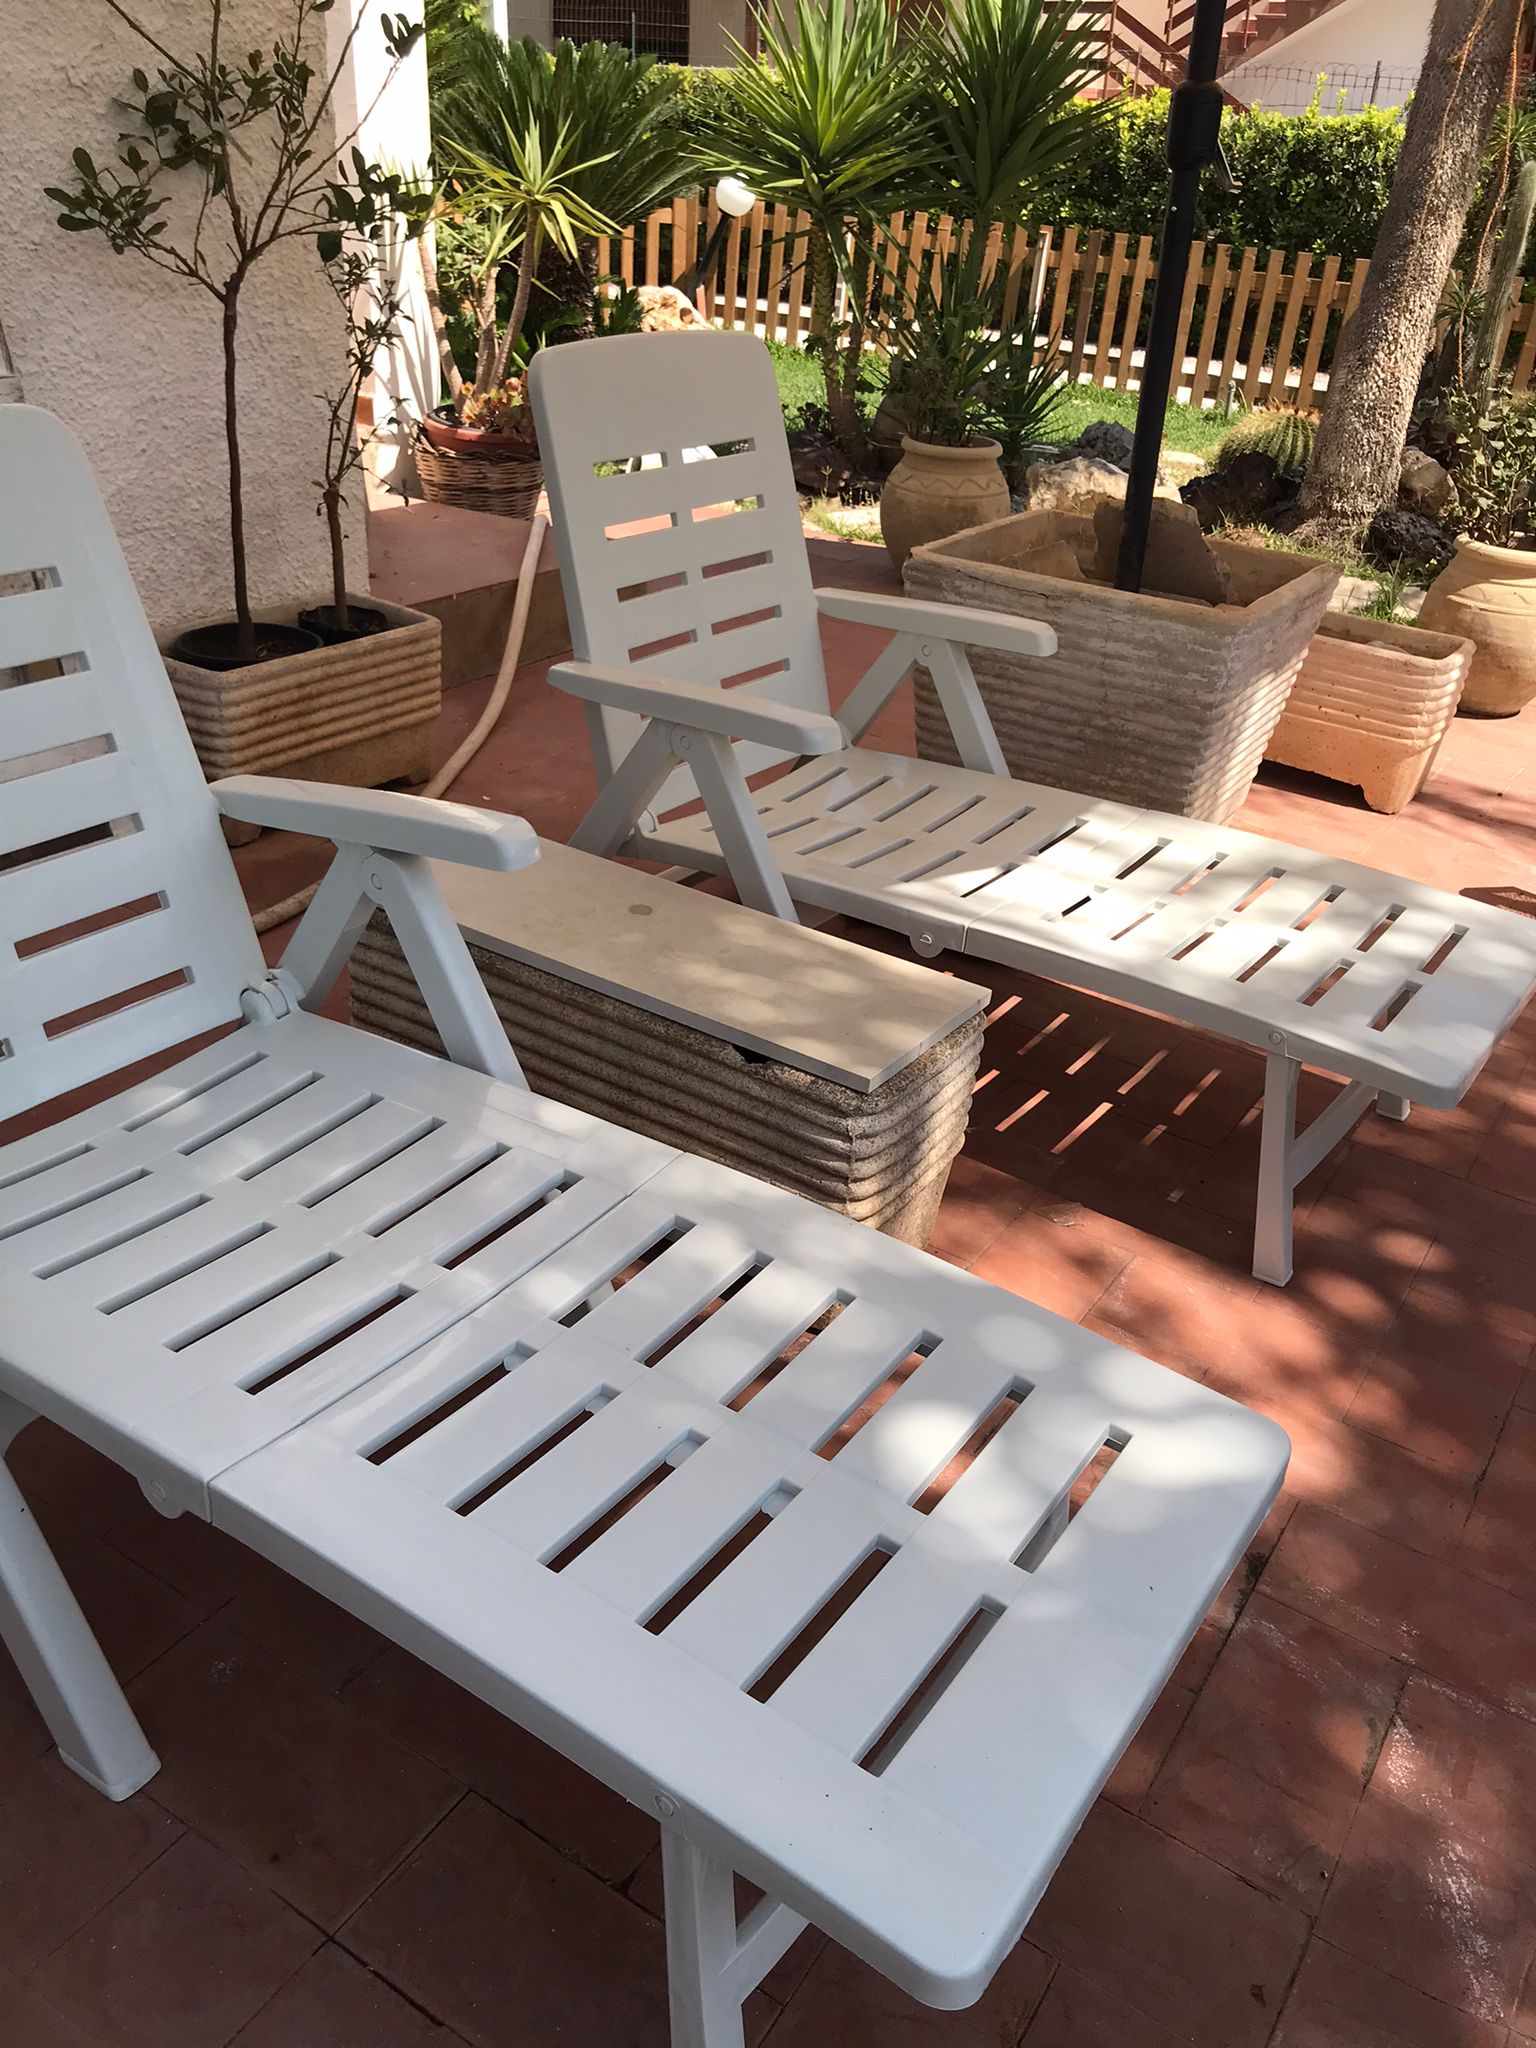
1324, 1836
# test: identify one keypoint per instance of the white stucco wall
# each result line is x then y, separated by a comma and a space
1348, 42
130, 357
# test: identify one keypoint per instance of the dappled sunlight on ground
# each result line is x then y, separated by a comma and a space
1322, 1837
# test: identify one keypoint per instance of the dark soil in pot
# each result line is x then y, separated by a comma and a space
218, 647
324, 621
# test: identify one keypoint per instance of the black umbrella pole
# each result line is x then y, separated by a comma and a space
1194, 130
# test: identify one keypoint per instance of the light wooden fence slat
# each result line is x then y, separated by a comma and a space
1087, 284
652, 250
732, 279
916, 243
1066, 264
1322, 312
1105, 340
1018, 263
1214, 300
1139, 276
627, 256
798, 266
1242, 292
1285, 347
1274, 270
776, 254
1194, 278
756, 235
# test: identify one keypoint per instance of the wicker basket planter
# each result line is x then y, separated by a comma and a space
1156, 701
479, 481
359, 713
1371, 705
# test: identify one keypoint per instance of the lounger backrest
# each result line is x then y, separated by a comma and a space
122, 926
694, 565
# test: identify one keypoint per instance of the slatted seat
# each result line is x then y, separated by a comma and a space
857, 1572
700, 664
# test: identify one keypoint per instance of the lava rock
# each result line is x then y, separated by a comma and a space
1248, 489
819, 465
1106, 441
1398, 533
1077, 485
1426, 484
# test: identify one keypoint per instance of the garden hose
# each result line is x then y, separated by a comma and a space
290, 906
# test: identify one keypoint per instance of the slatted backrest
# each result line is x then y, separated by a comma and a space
122, 926
694, 566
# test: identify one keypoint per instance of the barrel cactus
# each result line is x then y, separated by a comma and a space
1282, 433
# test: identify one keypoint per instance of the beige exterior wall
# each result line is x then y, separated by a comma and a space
130, 357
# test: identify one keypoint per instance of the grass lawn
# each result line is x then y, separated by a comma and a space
1186, 429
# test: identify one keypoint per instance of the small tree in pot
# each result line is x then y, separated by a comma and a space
246, 132
351, 248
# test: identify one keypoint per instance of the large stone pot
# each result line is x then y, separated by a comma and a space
1158, 701
361, 712
935, 491
1488, 596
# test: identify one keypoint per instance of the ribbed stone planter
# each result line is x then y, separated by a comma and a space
1371, 705
360, 713
879, 1154
1161, 702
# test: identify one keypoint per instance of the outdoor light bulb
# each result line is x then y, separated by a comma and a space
734, 198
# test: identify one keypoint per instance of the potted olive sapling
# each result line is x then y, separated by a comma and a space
238, 144
355, 260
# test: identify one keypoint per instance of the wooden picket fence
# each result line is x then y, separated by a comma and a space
1258, 325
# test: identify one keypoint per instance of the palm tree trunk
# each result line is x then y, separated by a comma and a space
453, 381
1355, 466
841, 408
527, 264
486, 350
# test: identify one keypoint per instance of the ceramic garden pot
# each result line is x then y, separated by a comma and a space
935, 491
1488, 596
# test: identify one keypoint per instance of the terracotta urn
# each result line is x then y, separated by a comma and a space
1488, 596
935, 491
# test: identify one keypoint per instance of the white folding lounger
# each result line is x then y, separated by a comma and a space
777, 1526
700, 664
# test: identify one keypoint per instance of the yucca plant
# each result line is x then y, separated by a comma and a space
830, 119
545, 151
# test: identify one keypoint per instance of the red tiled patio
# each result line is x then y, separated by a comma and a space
1324, 1836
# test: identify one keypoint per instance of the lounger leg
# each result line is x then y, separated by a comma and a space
59, 1659
714, 1962
701, 1943
1272, 1230
1394, 1106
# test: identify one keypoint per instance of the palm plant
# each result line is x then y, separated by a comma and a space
548, 150
829, 119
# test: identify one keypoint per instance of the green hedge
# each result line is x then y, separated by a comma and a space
1309, 181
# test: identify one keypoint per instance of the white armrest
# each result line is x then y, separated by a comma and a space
734, 714
387, 819
966, 623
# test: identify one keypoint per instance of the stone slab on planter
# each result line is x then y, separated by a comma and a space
1155, 701
361, 713
1371, 705
739, 1048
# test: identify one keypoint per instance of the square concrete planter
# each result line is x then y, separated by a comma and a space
1371, 705
801, 1059
1161, 702
361, 713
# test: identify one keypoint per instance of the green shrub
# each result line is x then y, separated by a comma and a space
1281, 433
1309, 181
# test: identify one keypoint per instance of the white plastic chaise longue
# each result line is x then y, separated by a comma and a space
528, 1392
699, 664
